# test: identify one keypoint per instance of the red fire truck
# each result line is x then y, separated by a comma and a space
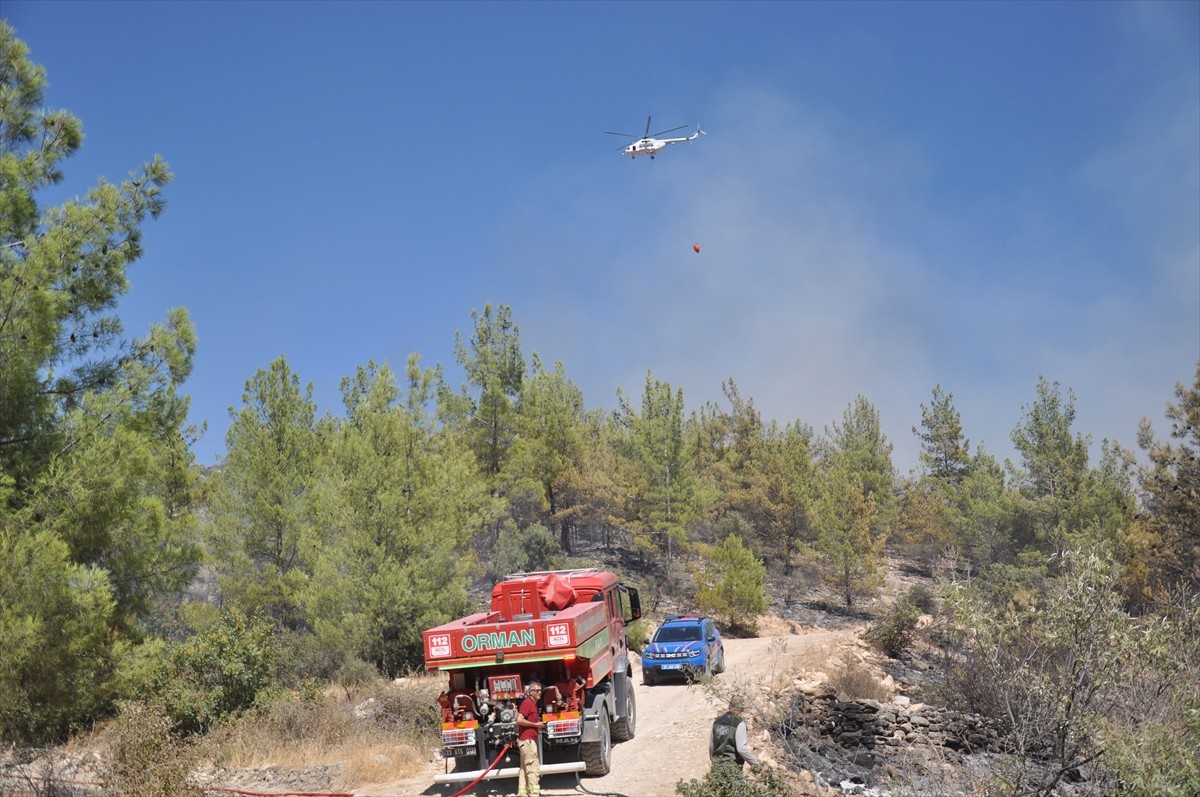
566, 628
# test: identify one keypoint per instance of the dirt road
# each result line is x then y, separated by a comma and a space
673, 725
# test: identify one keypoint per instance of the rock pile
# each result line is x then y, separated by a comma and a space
869, 723
861, 741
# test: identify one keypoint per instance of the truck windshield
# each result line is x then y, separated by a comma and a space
678, 633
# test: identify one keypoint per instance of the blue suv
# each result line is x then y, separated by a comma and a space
683, 646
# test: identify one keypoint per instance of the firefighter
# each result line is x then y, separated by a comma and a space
730, 741
529, 722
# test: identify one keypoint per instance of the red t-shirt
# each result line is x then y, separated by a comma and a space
529, 711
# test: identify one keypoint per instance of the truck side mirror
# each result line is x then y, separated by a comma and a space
635, 605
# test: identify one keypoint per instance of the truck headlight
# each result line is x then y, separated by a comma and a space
458, 737
562, 728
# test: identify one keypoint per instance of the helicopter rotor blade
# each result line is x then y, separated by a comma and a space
647, 134
672, 130
627, 135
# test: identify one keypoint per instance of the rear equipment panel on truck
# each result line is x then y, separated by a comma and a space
564, 628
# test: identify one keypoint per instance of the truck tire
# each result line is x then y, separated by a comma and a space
623, 729
597, 756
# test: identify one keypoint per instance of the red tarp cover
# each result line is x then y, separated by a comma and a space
555, 592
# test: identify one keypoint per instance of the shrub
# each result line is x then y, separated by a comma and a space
146, 758
410, 712
218, 672
857, 682
733, 586
353, 675
524, 550
1162, 760
300, 655
637, 635
1055, 668
893, 633
921, 597
726, 779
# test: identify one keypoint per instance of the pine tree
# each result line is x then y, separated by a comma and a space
486, 407
548, 451
660, 475
860, 445
97, 487
733, 586
397, 503
945, 452
1167, 542
845, 516
259, 506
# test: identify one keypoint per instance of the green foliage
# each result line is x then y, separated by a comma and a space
945, 452
659, 478
922, 598
893, 632
859, 446
523, 551
1053, 665
928, 522
1165, 541
353, 675
147, 757
62, 271
1152, 743
986, 511
140, 668
1054, 461
1162, 760
733, 585
726, 779
756, 477
397, 501
845, 516
637, 635
304, 655
548, 453
97, 486
484, 411
56, 653
732, 524
259, 512
218, 673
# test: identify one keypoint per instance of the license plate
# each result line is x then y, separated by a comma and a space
672, 666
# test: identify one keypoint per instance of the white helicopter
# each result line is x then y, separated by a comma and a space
651, 144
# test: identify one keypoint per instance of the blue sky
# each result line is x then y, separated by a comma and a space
890, 195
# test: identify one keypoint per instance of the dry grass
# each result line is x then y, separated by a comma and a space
770, 625
386, 735
856, 681
814, 659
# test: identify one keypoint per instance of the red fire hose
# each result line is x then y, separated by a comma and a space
491, 766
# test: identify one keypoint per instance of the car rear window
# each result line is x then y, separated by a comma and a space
678, 633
